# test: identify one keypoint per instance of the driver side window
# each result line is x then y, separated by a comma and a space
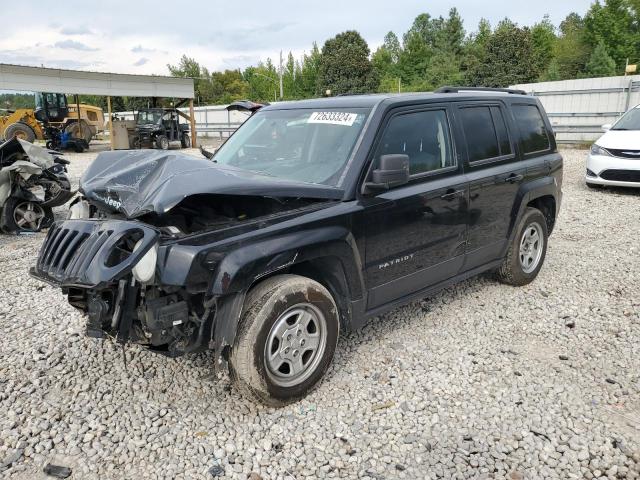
423, 136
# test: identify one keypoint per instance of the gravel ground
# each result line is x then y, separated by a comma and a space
479, 381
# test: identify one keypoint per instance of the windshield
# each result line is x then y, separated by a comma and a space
629, 121
304, 145
146, 117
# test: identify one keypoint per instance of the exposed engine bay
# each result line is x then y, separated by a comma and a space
117, 258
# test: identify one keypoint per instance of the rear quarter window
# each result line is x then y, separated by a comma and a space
533, 131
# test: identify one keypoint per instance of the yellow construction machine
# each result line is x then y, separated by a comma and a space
52, 109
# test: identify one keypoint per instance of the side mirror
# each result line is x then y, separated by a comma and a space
392, 172
606, 127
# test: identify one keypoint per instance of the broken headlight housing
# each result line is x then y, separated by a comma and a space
145, 268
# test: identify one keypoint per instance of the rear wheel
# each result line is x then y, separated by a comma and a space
21, 215
20, 130
185, 141
527, 251
162, 142
286, 339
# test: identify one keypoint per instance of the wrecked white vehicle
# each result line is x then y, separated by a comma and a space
32, 181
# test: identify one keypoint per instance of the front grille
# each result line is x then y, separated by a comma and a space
69, 248
78, 252
621, 175
625, 153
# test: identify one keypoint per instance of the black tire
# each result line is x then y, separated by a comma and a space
185, 141
8, 223
162, 142
50, 145
78, 148
266, 305
73, 129
20, 130
512, 271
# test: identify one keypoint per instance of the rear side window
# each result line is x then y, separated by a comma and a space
423, 136
532, 128
486, 133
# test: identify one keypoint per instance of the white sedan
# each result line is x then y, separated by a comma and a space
615, 157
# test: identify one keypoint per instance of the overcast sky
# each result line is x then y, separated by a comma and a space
142, 37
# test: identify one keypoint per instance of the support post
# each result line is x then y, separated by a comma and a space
111, 139
192, 120
79, 118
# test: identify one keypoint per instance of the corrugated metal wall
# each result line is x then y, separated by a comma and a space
578, 108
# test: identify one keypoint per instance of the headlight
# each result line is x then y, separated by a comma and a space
598, 150
146, 266
79, 210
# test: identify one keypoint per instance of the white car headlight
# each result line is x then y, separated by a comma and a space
146, 266
79, 210
598, 150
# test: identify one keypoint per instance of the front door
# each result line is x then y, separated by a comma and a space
415, 234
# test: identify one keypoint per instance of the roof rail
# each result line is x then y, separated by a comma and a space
479, 89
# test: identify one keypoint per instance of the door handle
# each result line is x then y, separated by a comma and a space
452, 194
513, 178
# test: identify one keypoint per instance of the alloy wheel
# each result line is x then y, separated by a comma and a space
295, 345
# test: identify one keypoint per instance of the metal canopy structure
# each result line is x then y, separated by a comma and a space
56, 80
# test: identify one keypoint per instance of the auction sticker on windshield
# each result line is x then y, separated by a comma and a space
333, 118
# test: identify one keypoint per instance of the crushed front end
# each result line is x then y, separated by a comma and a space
109, 270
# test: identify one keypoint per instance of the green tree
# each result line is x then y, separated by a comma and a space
614, 24
309, 72
543, 39
263, 82
600, 63
451, 35
505, 60
474, 51
552, 73
392, 45
345, 66
571, 50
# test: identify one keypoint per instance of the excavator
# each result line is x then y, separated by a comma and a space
52, 111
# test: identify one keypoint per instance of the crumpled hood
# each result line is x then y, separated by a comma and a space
142, 181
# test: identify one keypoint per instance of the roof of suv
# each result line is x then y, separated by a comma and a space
371, 100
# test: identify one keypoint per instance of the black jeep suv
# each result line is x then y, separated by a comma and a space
314, 216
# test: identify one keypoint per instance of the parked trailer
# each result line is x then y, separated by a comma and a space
578, 108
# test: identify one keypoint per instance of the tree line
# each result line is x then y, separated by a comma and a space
437, 51
433, 52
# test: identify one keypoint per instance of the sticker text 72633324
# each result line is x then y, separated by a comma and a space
333, 118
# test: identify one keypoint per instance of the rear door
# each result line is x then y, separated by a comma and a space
495, 174
415, 233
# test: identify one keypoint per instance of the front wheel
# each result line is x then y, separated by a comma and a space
185, 142
527, 251
162, 142
286, 339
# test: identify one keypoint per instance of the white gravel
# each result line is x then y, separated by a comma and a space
480, 381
